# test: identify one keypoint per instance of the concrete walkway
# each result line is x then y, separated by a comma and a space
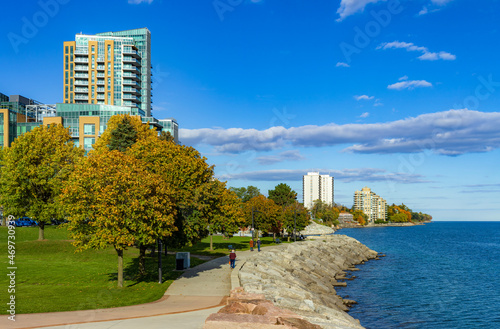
197, 293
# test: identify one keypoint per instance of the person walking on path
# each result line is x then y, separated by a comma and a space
251, 245
232, 258
258, 244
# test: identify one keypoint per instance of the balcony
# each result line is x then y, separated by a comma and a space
81, 82
101, 90
132, 76
131, 82
132, 98
81, 75
100, 59
100, 75
100, 81
101, 68
132, 60
81, 68
81, 90
128, 51
100, 97
82, 97
131, 68
83, 51
81, 60
131, 90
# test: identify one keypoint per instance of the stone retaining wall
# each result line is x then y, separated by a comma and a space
301, 277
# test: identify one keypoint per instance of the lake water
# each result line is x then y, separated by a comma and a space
441, 275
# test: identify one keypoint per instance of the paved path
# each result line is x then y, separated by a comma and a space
189, 300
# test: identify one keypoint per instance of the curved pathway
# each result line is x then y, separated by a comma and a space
197, 293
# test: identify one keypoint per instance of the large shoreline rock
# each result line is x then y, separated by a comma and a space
301, 276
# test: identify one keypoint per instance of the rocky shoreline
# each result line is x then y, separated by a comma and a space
301, 277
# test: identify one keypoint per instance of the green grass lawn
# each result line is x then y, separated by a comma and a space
52, 277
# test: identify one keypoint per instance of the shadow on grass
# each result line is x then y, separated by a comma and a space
131, 270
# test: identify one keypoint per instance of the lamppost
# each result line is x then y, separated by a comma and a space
253, 228
295, 224
159, 261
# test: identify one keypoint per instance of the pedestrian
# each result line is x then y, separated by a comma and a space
251, 245
232, 258
258, 244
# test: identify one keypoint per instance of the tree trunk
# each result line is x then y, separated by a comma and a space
142, 260
165, 244
41, 232
274, 237
211, 245
120, 268
153, 247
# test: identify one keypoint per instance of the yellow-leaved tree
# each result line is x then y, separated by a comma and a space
32, 172
112, 198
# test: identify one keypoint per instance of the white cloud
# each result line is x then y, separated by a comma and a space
423, 11
346, 175
426, 54
342, 64
363, 97
409, 84
136, 2
440, 2
292, 155
452, 132
365, 115
350, 7
403, 78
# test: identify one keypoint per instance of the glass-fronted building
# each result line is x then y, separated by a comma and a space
112, 68
86, 122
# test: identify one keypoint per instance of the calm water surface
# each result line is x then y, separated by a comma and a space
441, 275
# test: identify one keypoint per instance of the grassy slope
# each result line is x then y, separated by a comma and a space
51, 277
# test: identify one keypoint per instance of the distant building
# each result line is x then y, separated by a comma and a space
345, 217
370, 204
317, 187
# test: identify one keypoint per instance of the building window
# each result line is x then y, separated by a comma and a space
89, 129
66, 50
88, 142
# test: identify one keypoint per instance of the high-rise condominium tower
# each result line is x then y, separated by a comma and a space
317, 187
374, 206
112, 68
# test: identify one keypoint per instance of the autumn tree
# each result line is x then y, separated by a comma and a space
360, 217
112, 198
266, 213
33, 170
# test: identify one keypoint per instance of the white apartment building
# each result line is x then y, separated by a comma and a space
371, 204
317, 187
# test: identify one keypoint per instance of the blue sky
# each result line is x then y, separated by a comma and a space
399, 96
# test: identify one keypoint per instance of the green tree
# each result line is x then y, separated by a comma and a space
224, 211
33, 170
166, 136
283, 195
246, 193
123, 136
112, 198
295, 215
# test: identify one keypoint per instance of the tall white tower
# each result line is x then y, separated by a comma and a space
317, 187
